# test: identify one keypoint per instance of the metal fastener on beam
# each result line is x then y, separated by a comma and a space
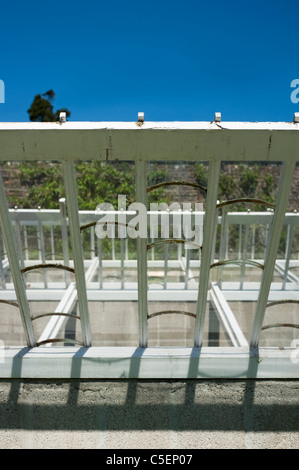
62, 117
140, 117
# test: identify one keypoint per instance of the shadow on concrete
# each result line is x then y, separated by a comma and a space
132, 404
92, 412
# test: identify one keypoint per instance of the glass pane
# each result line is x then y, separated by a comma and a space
243, 234
114, 323
280, 326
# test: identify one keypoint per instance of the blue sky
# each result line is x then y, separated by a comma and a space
173, 60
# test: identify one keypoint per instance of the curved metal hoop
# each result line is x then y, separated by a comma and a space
9, 302
47, 266
164, 312
76, 317
173, 241
279, 302
237, 261
244, 199
59, 340
175, 183
284, 325
110, 222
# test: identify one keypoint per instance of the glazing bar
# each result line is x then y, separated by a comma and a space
165, 266
19, 243
64, 235
10, 244
2, 273
100, 257
52, 243
207, 250
141, 197
290, 236
42, 251
73, 213
223, 240
244, 256
26, 242
122, 262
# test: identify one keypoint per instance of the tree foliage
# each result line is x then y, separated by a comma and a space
41, 109
99, 182
239, 181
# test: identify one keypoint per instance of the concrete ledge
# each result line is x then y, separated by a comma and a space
150, 363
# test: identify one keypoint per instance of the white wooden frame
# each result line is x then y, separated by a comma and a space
142, 142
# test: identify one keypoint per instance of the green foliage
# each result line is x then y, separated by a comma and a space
43, 183
96, 182
201, 174
99, 182
240, 181
243, 181
268, 187
227, 186
249, 180
157, 176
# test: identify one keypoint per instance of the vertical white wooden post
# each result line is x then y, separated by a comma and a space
92, 243
244, 256
42, 251
285, 183
2, 273
64, 235
141, 196
207, 250
122, 263
288, 252
19, 243
222, 246
10, 243
100, 257
73, 213
26, 242
165, 266
253, 243
52, 243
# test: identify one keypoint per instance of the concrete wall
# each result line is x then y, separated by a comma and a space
149, 414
